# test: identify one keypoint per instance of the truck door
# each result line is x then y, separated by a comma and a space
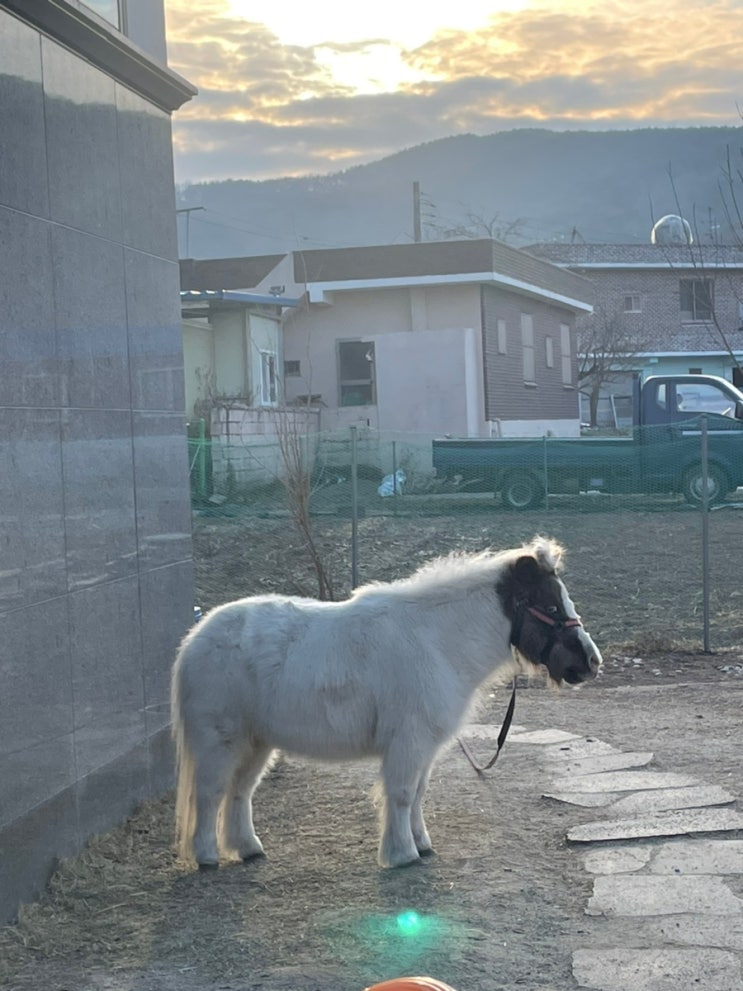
725, 449
659, 433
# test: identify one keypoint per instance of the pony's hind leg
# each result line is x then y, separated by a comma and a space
239, 833
417, 822
215, 763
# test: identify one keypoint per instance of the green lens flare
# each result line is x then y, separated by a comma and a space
409, 923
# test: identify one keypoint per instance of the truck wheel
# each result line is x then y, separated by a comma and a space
521, 490
692, 485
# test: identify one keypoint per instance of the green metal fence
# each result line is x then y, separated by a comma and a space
650, 571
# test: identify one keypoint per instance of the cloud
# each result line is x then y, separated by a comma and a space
266, 109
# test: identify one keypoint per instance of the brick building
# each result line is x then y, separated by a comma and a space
684, 303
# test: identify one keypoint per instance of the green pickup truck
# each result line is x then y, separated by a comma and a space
663, 454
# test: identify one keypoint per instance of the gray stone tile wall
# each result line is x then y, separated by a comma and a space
95, 544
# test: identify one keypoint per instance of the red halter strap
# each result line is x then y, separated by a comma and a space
549, 621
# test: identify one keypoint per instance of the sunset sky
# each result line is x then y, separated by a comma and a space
288, 87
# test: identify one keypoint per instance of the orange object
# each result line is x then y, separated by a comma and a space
411, 984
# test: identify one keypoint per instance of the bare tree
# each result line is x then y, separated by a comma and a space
470, 225
607, 350
298, 457
706, 256
474, 225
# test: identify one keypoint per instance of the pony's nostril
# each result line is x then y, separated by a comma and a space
594, 664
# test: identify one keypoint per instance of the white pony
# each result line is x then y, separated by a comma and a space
391, 672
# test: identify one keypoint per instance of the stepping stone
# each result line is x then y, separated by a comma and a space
625, 781
486, 731
543, 736
660, 824
620, 860
657, 970
699, 857
582, 747
648, 894
665, 799
722, 931
605, 762
587, 800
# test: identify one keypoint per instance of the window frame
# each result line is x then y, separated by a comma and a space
120, 5
701, 298
269, 378
632, 297
501, 335
566, 356
363, 383
528, 354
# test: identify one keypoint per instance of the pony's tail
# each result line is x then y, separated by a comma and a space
185, 793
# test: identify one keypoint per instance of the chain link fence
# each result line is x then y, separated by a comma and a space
650, 571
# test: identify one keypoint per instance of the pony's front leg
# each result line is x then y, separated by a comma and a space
401, 771
417, 822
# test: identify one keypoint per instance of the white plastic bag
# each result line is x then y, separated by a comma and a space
390, 486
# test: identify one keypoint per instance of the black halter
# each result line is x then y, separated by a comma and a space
556, 627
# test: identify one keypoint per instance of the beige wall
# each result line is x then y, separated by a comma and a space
428, 382
427, 355
227, 351
198, 361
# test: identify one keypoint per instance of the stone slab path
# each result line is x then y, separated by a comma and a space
661, 855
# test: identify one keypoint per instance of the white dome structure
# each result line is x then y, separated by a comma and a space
671, 229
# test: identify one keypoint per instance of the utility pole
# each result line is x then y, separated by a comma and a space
188, 210
417, 212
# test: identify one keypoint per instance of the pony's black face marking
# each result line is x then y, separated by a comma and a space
545, 629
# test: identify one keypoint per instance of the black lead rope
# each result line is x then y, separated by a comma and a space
501, 738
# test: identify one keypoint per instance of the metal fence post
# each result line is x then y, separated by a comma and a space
705, 535
546, 477
354, 510
394, 477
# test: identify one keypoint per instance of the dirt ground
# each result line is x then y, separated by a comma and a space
500, 906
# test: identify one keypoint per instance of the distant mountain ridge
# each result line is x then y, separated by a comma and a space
599, 186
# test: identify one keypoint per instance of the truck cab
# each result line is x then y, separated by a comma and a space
668, 427
671, 400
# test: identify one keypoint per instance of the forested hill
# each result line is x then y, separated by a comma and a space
535, 184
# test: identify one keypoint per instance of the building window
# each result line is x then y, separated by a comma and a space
549, 352
696, 299
356, 373
695, 371
566, 354
108, 9
527, 348
501, 336
292, 369
269, 389
632, 303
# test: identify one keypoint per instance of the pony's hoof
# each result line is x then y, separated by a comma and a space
427, 852
413, 862
258, 855
209, 865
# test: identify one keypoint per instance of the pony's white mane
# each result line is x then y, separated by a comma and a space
462, 571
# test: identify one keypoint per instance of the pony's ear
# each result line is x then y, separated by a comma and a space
548, 553
526, 571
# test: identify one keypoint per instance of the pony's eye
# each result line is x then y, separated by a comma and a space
552, 610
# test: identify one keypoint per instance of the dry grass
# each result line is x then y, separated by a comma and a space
125, 901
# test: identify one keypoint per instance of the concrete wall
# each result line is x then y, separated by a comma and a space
433, 374
388, 317
96, 572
